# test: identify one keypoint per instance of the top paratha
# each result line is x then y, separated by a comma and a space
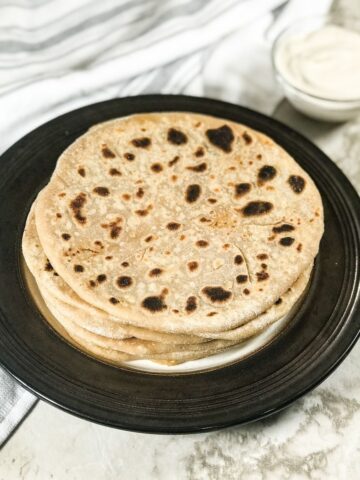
177, 221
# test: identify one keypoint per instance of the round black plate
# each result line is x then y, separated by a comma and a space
306, 351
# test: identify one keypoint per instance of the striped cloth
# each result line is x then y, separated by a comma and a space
56, 56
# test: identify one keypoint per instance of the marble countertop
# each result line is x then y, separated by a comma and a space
318, 437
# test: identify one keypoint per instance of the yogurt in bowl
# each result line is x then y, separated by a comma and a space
317, 63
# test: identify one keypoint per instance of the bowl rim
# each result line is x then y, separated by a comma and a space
275, 45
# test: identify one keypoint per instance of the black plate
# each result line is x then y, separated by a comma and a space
307, 350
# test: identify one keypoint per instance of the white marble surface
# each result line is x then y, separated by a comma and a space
316, 438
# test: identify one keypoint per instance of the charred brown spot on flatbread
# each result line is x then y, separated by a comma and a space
154, 304
81, 171
173, 161
266, 173
285, 227
156, 167
238, 260
101, 278
211, 314
221, 137
149, 238
216, 294
241, 189
299, 247
65, 236
202, 243
262, 256
129, 156
278, 301
107, 153
142, 212
48, 266
173, 226
297, 183
201, 167
191, 304
114, 172
247, 138
176, 137
114, 227
258, 207
261, 276
76, 206
143, 142
140, 192
113, 300
102, 191
192, 266
287, 241
78, 268
99, 243
115, 231
125, 264
155, 272
241, 278
58, 215
199, 152
92, 283
192, 193
246, 291
212, 200
124, 281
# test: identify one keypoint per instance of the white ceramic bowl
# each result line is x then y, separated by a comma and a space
321, 108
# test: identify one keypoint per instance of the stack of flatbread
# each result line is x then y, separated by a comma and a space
172, 236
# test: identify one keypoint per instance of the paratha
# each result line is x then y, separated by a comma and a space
85, 314
73, 308
134, 346
195, 224
253, 327
114, 355
117, 357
